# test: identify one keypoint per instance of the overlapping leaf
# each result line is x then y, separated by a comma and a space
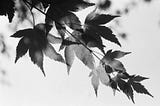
35, 40
110, 59
99, 74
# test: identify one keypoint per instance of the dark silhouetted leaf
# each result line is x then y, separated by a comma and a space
21, 33
108, 69
22, 48
107, 34
139, 88
119, 54
139, 78
84, 55
69, 57
98, 19
52, 54
37, 58
7, 8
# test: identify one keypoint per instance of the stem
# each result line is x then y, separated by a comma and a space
66, 31
31, 12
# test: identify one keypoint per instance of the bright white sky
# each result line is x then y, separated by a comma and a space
28, 87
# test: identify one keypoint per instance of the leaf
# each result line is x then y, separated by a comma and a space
72, 21
22, 48
139, 78
7, 8
98, 19
117, 65
139, 88
84, 55
95, 81
108, 69
92, 39
103, 76
107, 34
118, 54
126, 88
53, 39
37, 58
21, 33
52, 54
69, 57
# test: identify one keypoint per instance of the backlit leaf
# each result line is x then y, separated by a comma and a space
84, 55
139, 78
52, 54
69, 57
53, 39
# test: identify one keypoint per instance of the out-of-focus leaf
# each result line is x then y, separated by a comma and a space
22, 48
69, 57
52, 54
139, 88
7, 8
105, 4
37, 57
84, 55
53, 39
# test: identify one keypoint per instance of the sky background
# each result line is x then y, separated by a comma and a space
28, 87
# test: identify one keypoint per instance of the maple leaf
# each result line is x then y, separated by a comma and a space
126, 88
109, 59
139, 88
84, 55
139, 78
7, 8
35, 40
99, 75
93, 27
60, 11
69, 57
98, 19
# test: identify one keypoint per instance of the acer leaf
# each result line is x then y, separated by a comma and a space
7, 8
139, 88
21, 33
139, 78
114, 85
52, 54
108, 69
72, 21
53, 39
22, 48
118, 54
92, 39
84, 55
106, 33
69, 57
98, 19
103, 76
126, 88
95, 81
37, 58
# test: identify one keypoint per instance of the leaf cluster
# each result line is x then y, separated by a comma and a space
61, 14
